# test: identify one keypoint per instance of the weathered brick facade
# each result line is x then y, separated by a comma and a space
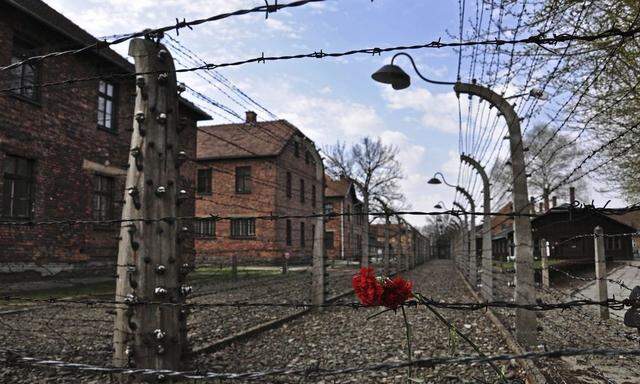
343, 234
284, 166
404, 241
58, 134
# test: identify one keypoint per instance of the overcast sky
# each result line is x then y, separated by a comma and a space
329, 99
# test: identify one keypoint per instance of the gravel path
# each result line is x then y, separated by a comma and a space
341, 337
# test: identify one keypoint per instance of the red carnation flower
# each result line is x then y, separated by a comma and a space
367, 287
395, 292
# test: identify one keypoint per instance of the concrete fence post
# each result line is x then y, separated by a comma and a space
544, 259
234, 267
601, 270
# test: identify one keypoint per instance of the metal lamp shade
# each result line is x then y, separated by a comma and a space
434, 180
394, 75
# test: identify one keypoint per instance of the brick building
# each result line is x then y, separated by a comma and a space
343, 234
64, 149
404, 240
256, 169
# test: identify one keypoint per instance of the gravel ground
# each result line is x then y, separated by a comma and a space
333, 338
342, 337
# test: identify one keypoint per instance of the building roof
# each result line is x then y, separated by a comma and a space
256, 139
564, 209
337, 188
631, 219
53, 19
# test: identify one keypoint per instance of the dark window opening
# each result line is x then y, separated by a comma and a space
204, 227
328, 240
328, 208
243, 179
102, 197
302, 235
306, 157
313, 196
204, 182
288, 232
24, 78
243, 228
289, 184
302, 190
17, 195
296, 149
106, 105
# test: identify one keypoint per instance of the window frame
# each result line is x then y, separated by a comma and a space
249, 225
21, 50
288, 186
208, 186
201, 225
108, 98
28, 179
332, 236
288, 236
245, 177
103, 194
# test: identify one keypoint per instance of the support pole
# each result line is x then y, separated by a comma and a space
234, 267
601, 270
386, 257
526, 322
486, 276
544, 258
319, 263
147, 331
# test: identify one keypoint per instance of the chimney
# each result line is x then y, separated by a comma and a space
252, 117
572, 195
545, 195
554, 201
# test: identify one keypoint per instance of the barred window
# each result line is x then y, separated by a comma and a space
204, 227
17, 190
243, 228
204, 182
102, 197
243, 179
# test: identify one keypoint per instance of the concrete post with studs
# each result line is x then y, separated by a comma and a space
601, 270
319, 263
526, 322
544, 259
486, 276
147, 330
386, 256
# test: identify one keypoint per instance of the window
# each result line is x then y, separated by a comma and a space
328, 240
306, 157
106, 105
243, 228
302, 235
296, 149
17, 196
328, 208
102, 197
243, 179
313, 196
358, 214
204, 181
313, 235
204, 227
289, 184
302, 190
25, 77
288, 232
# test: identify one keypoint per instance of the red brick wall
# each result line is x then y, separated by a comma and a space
350, 225
59, 133
268, 196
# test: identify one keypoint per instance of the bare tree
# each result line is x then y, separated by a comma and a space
550, 159
374, 169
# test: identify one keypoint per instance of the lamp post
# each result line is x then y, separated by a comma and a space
472, 269
465, 239
526, 322
487, 249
